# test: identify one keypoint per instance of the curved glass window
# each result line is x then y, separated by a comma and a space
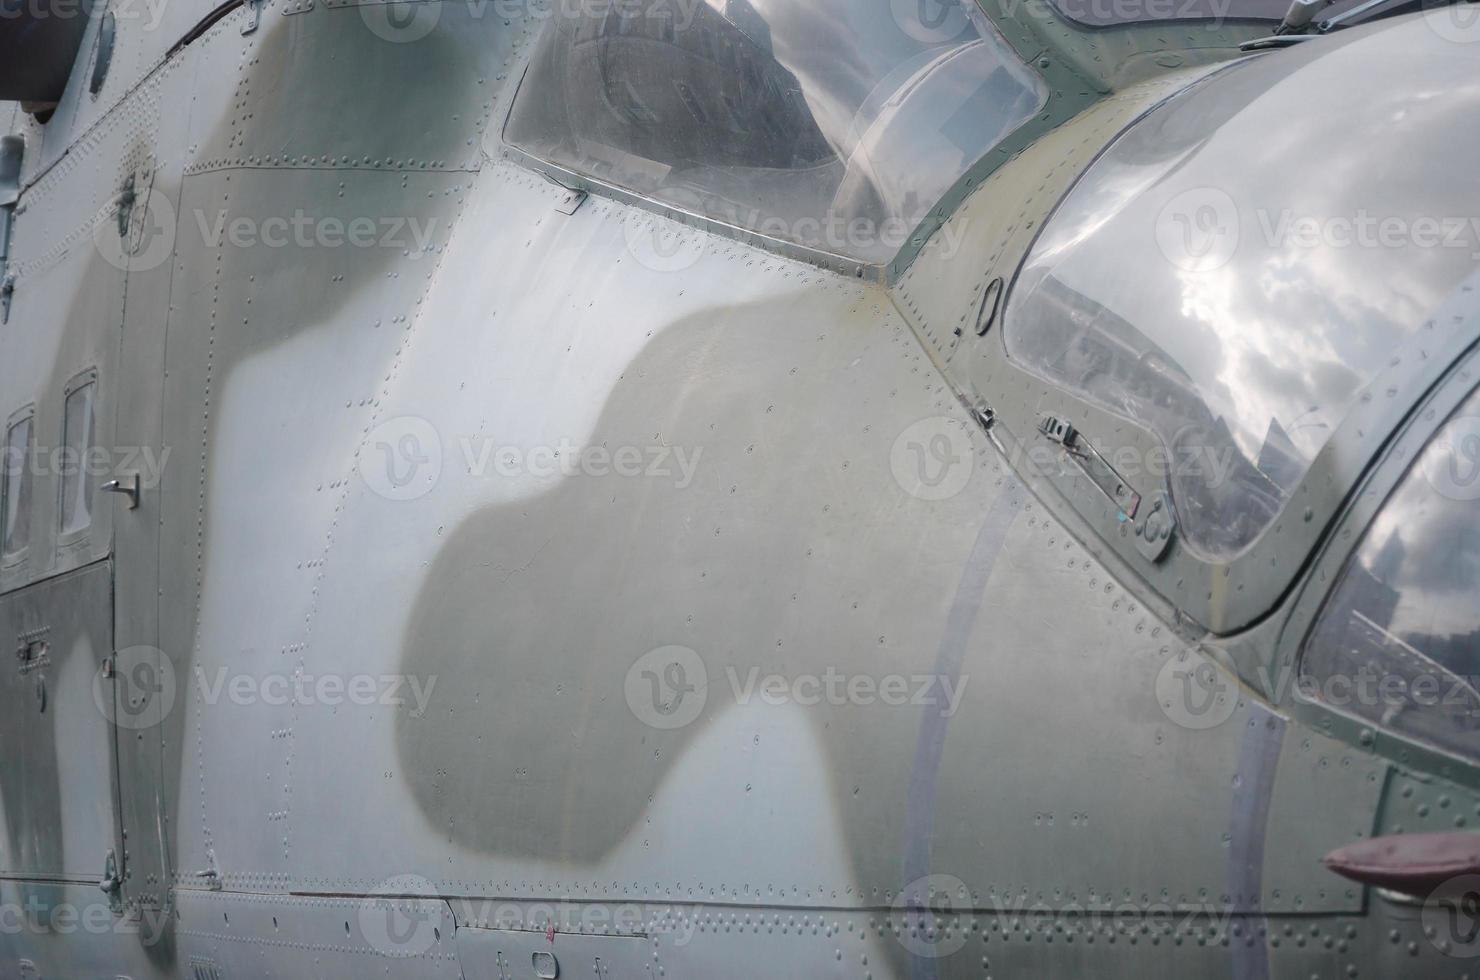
824, 123
1399, 641
15, 489
1221, 280
77, 441
1114, 13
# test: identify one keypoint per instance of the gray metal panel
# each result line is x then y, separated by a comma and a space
504, 954
147, 795
56, 786
239, 936
63, 322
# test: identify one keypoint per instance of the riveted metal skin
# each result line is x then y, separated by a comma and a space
500, 807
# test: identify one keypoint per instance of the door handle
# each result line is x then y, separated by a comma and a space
128, 486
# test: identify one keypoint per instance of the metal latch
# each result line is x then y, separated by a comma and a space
211, 875
1154, 534
572, 201
128, 486
103, 56
126, 198
254, 16
983, 413
571, 198
112, 884
32, 651
12, 154
1093, 465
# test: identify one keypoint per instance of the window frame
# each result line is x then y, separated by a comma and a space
1223, 596
1053, 78
1297, 627
65, 538
12, 559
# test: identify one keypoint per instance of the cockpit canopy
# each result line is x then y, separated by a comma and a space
820, 123
1239, 281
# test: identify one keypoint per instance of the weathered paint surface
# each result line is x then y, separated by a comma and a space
358, 469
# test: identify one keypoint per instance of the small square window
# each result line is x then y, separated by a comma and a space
15, 489
77, 452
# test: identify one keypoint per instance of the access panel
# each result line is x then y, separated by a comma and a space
58, 784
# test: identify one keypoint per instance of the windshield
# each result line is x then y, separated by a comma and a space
1111, 13
1233, 288
1405, 610
817, 122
